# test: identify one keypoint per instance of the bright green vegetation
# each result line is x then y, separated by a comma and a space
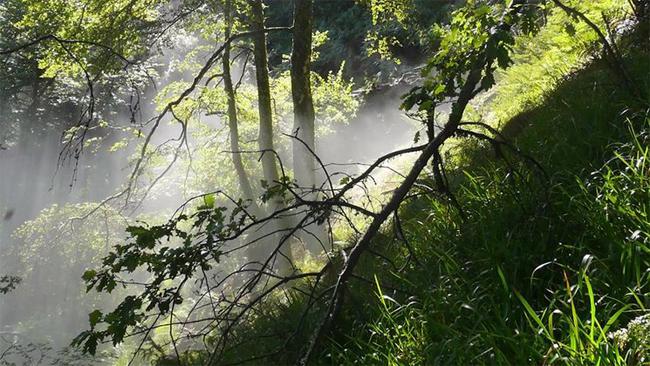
548, 266
534, 251
542, 269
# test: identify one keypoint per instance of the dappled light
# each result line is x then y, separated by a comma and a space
383, 182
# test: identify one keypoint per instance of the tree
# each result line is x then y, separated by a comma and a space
266, 146
304, 131
303, 105
242, 176
478, 42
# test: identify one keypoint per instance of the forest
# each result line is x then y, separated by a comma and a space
324, 182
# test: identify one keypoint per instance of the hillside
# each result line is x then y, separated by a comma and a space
549, 264
546, 262
377, 182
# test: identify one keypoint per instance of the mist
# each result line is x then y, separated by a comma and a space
42, 187
324, 182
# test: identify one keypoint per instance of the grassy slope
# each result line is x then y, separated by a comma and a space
459, 303
523, 233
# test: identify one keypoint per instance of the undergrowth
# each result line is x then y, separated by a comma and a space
544, 268
542, 271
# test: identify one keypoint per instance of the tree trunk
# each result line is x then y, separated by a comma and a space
269, 165
303, 105
304, 166
242, 176
264, 95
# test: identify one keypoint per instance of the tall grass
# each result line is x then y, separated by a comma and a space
536, 275
542, 271
576, 340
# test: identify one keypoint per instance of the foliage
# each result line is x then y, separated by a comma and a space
476, 32
118, 25
633, 340
397, 336
542, 60
400, 24
622, 205
580, 341
463, 284
334, 105
74, 243
473, 293
169, 265
362, 32
8, 283
49, 242
482, 276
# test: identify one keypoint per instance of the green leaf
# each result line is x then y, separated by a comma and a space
136, 230
94, 318
427, 104
570, 29
89, 339
488, 81
530, 311
416, 138
89, 275
209, 200
502, 277
439, 89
